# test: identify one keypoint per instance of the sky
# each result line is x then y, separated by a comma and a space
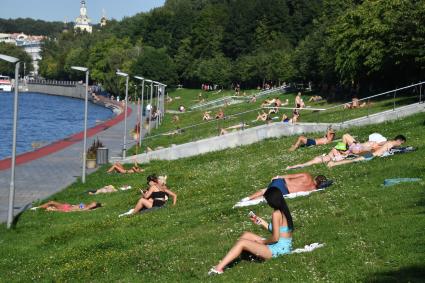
61, 10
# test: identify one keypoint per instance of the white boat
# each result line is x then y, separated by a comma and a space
5, 83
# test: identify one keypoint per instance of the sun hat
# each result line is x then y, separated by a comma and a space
341, 146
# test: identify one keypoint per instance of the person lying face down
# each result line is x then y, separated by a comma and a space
378, 151
302, 140
293, 183
66, 207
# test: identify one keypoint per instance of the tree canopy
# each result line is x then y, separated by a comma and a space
350, 43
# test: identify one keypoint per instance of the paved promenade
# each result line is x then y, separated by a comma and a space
39, 177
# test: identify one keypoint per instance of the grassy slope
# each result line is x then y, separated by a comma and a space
371, 232
189, 97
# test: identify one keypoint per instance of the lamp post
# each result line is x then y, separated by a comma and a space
157, 104
141, 112
86, 70
150, 103
124, 148
15, 125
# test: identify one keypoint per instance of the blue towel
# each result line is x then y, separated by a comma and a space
392, 182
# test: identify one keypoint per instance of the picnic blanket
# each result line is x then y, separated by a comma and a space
392, 182
308, 248
246, 202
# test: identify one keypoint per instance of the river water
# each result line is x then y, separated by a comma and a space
43, 119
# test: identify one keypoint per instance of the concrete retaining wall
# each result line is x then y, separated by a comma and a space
275, 130
77, 91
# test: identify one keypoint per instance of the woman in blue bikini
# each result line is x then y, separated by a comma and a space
279, 243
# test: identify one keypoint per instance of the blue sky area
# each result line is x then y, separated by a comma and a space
59, 10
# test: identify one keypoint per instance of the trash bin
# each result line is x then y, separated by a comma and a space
102, 156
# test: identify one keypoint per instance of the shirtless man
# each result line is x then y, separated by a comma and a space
292, 183
302, 140
299, 103
378, 151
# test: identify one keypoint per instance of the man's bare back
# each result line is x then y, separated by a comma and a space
302, 182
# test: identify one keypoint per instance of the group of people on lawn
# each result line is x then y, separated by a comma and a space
281, 226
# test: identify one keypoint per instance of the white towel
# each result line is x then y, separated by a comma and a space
307, 248
127, 213
245, 202
125, 188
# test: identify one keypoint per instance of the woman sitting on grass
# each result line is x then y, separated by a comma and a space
118, 167
66, 207
156, 195
279, 243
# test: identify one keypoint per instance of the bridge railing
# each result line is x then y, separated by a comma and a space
54, 82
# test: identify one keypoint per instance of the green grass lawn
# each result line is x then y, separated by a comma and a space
203, 129
372, 233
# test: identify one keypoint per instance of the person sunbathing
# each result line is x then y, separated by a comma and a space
338, 153
66, 207
262, 117
293, 119
280, 241
378, 151
268, 102
356, 147
292, 183
156, 195
176, 119
105, 190
220, 114
206, 116
299, 102
174, 132
118, 167
355, 103
304, 141
224, 131
315, 98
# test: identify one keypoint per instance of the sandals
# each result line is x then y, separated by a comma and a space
214, 271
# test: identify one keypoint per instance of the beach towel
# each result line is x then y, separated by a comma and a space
141, 211
392, 182
308, 248
246, 202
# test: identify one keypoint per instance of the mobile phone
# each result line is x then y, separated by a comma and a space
251, 214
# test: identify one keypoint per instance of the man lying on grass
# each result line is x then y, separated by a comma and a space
379, 151
293, 183
304, 141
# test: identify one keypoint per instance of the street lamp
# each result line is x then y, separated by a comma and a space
150, 103
141, 112
162, 101
15, 125
86, 70
157, 101
124, 148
